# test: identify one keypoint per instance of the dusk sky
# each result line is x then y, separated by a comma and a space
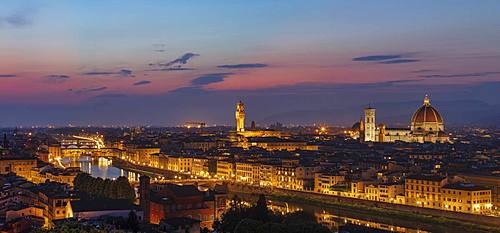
165, 62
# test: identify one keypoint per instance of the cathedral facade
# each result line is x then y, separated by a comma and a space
426, 126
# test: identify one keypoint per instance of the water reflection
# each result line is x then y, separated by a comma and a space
99, 167
334, 221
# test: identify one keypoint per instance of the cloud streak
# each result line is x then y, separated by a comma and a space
387, 59
172, 69
378, 57
56, 78
20, 18
182, 60
399, 61
423, 71
397, 82
120, 73
143, 82
463, 75
209, 79
88, 90
243, 66
8, 75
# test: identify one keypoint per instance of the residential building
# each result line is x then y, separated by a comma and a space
467, 198
424, 190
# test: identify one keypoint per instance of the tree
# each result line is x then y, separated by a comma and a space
258, 219
108, 189
132, 221
260, 211
81, 181
93, 188
302, 222
123, 188
71, 227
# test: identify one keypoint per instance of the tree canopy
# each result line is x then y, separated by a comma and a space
71, 227
99, 188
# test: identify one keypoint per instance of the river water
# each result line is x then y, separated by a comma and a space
100, 167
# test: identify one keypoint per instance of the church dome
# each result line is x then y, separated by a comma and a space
427, 118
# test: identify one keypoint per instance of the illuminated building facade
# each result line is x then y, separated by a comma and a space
424, 191
292, 175
266, 172
20, 166
248, 172
179, 163
323, 182
200, 167
141, 155
224, 170
467, 198
275, 143
193, 124
389, 192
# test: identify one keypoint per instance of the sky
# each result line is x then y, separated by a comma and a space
120, 62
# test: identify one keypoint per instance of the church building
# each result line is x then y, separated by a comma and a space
426, 126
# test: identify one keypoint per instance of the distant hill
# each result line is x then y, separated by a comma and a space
459, 112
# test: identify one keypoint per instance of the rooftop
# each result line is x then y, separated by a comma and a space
466, 187
426, 177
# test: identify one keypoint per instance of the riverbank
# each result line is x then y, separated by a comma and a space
412, 218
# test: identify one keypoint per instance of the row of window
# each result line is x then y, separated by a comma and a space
422, 188
422, 182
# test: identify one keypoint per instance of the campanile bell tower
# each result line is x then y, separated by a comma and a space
240, 117
370, 124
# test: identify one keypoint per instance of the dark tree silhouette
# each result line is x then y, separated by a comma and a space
132, 221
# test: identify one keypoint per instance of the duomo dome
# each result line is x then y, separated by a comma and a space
427, 118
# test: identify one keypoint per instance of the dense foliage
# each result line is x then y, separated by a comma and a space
71, 227
99, 188
104, 224
258, 219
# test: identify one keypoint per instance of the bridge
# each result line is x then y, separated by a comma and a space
94, 152
97, 140
77, 145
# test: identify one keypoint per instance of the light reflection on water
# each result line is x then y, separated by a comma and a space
100, 167
334, 220
331, 218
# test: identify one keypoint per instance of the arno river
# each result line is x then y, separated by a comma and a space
330, 217
101, 167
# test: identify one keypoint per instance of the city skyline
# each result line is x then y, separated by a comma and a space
159, 63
